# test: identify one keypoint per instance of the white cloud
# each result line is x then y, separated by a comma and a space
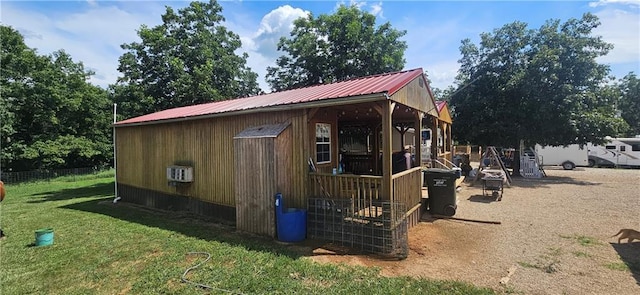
91, 35
623, 30
441, 73
607, 2
262, 43
275, 24
356, 3
376, 9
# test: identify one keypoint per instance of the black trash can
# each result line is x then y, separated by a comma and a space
441, 185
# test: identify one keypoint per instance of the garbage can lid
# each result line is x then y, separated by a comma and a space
440, 171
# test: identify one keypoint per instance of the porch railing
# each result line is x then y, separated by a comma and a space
406, 189
345, 186
442, 163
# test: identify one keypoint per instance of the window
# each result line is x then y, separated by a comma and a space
623, 148
426, 135
610, 147
635, 147
323, 143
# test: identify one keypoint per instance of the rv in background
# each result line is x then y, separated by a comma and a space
425, 145
566, 156
618, 152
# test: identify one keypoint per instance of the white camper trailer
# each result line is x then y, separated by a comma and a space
426, 139
617, 152
425, 145
566, 156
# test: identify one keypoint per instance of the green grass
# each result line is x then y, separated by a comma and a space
581, 254
621, 266
583, 240
548, 262
102, 248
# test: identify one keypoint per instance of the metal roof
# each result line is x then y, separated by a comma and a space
387, 84
444, 114
440, 104
269, 130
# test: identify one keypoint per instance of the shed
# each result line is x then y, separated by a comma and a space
261, 154
347, 124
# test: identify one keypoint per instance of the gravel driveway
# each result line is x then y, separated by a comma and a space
554, 237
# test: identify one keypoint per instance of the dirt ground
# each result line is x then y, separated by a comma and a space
554, 237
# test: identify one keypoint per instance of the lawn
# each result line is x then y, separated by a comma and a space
105, 248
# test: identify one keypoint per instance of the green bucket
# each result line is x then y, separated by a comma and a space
44, 237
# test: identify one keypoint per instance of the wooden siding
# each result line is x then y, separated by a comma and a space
417, 96
445, 114
256, 160
144, 152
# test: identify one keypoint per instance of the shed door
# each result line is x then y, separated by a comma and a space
255, 185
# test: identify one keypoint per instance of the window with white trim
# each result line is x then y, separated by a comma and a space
323, 143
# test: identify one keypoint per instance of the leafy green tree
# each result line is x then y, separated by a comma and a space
188, 59
51, 116
629, 104
539, 86
335, 47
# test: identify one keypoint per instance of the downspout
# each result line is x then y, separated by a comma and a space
115, 162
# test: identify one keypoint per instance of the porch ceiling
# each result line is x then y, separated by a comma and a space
366, 112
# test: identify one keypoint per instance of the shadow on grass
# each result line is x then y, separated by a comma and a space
630, 255
96, 190
192, 225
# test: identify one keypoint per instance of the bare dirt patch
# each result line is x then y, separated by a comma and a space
554, 237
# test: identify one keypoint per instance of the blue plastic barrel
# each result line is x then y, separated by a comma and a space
44, 236
291, 223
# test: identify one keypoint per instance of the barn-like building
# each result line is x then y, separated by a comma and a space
228, 159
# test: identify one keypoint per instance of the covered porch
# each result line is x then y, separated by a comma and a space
367, 163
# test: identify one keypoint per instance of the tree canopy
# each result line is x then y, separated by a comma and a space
335, 47
190, 58
629, 104
51, 117
537, 85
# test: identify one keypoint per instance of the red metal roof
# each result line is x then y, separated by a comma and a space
440, 104
387, 83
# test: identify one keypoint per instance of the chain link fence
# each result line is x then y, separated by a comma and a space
46, 175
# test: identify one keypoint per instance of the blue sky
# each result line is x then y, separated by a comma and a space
92, 31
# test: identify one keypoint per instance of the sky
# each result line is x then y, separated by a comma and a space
91, 31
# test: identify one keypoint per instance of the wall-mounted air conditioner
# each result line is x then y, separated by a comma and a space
180, 173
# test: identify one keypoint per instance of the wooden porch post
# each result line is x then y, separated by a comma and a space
434, 138
449, 142
387, 190
417, 138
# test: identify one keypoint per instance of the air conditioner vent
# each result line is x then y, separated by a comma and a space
180, 173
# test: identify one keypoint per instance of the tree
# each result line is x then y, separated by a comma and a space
629, 104
335, 47
540, 86
189, 59
51, 116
